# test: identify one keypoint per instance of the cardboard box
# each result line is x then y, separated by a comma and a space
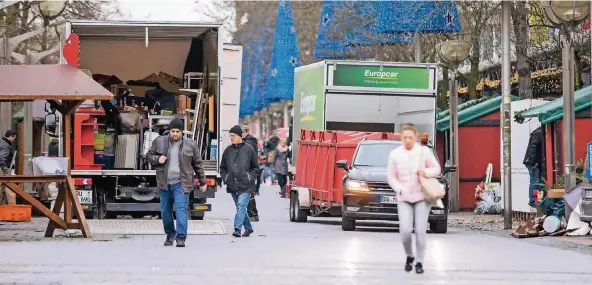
555, 193
183, 103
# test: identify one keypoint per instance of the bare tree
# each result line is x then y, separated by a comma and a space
520, 18
223, 11
476, 17
19, 18
91, 10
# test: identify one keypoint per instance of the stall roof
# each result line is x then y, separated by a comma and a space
48, 82
553, 110
473, 112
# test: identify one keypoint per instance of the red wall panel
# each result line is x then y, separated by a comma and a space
583, 135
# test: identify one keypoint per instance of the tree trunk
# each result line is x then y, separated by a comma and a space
520, 16
578, 82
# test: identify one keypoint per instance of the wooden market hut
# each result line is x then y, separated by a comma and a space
479, 141
551, 117
65, 87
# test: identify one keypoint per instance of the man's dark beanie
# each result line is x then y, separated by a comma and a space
237, 130
177, 124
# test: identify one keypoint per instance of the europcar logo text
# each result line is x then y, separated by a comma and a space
388, 75
307, 106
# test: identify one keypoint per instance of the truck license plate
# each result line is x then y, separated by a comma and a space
85, 196
388, 199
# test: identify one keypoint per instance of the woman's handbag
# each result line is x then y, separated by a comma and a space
432, 189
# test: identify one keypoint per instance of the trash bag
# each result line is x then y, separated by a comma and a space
130, 122
489, 204
43, 165
554, 206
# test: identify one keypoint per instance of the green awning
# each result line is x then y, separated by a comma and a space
441, 114
473, 112
553, 110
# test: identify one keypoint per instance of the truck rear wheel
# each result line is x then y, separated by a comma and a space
439, 228
296, 214
347, 224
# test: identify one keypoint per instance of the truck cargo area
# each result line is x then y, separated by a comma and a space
158, 71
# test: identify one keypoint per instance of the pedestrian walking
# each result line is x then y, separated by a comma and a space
239, 169
280, 165
176, 160
252, 207
6, 156
405, 165
270, 147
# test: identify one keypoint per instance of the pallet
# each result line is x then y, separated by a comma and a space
523, 216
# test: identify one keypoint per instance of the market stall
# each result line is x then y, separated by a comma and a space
478, 142
551, 117
65, 87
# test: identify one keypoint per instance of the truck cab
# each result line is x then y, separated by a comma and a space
367, 194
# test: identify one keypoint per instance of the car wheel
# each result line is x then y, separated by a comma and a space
292, 207
347, 224
300, 216
95, 214
439, 228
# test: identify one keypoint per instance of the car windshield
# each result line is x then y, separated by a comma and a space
374, 154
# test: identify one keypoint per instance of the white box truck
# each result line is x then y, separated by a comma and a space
132, 50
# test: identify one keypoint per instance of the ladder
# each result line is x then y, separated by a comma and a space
196, 117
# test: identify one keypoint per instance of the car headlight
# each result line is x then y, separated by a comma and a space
587, 194
354, 185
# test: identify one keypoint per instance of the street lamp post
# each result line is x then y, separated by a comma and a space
454, 52
48, 11
506, 116
567, 15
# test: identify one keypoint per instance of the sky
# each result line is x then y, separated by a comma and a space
160, 10
165, 10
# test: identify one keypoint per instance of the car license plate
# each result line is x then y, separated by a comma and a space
388, 199
85, 196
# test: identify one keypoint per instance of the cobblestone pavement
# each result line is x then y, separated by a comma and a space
281, 252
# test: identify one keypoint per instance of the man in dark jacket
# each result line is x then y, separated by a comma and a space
533, 162
176, 159
6, 152
239, 169
6, 155
252, 207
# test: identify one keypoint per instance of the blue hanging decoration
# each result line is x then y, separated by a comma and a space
338, 36
330, 38
245, 106
418, 16
285, 57
255, 60
257, 84
363, 32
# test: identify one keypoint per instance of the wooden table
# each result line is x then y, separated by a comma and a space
67, 197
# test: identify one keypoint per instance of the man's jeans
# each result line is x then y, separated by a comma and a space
174, 196
535, 178
241, 219
268, 172
6, 195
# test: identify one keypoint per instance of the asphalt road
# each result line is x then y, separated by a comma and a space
281, 252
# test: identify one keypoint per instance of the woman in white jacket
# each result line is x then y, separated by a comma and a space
405, 164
